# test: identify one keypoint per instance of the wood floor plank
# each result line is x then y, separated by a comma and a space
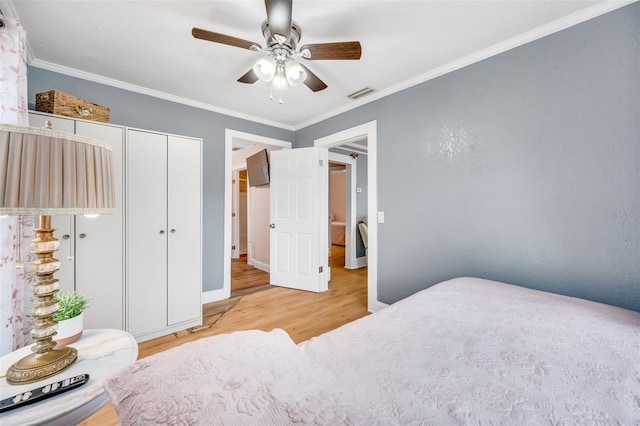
301, 314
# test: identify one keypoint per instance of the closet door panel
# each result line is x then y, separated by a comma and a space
100, 243
185, 234
146, 231
59, 124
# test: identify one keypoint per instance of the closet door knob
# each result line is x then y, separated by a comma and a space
83, 235
173, 231
273, 225
66, 236
161, 231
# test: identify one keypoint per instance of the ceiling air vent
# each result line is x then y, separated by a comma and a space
360, 93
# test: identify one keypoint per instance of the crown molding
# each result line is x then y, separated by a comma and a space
543, 31
72, 72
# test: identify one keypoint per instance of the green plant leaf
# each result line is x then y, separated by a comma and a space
70, 305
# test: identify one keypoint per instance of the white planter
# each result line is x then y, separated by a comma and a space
69, 330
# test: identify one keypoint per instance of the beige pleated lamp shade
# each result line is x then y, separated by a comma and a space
45, 172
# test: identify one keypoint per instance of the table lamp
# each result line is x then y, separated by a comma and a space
45, 172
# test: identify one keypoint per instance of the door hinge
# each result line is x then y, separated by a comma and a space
233, 247
233, 181
320, 270
233, 214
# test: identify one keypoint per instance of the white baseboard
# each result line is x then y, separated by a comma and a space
361, 262
262, 266
214, 295
159, 333
376, 306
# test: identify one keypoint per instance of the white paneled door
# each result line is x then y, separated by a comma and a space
147, 231
100, 241
184, 269
298, 253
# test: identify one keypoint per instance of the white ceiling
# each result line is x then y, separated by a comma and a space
147, 46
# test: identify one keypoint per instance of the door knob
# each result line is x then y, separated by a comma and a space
173, 231
273, 225
83, 235
161, 231
66, 236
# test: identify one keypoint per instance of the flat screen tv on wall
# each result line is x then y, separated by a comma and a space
258, 168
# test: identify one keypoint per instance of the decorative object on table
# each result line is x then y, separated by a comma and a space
57, 102
70, 316
44, 172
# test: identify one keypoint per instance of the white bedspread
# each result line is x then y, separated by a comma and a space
466, 351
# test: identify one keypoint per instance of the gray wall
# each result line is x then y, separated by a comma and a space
522, 168
146, 112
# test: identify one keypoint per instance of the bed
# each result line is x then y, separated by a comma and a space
465, 351
337, 233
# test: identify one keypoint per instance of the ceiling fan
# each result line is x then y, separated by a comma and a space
279, 66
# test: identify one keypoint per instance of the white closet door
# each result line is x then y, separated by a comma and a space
146, 231
185, 233
99, 243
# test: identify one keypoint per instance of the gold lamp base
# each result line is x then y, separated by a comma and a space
46, 359
36, 366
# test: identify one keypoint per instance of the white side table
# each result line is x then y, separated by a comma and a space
101, 353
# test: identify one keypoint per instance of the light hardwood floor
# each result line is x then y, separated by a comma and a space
245, 278
301, 314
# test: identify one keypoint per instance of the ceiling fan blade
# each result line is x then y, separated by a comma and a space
250, 77
339, 50
279, 17
312, 81
223, 39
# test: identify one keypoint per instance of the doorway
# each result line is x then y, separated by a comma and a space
233, 138
365, 132
343, 173
245, 277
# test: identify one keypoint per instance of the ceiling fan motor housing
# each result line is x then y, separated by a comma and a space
291, 43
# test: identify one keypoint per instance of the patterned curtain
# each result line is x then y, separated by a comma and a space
15, 232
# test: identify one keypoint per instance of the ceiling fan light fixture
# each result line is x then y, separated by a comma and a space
280, 81
265, 68
295, 73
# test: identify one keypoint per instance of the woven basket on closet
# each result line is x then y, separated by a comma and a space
57, 102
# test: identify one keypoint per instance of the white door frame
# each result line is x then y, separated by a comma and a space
368, 130
235, 220
350, 261
229, 135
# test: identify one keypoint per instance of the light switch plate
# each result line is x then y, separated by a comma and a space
380, 217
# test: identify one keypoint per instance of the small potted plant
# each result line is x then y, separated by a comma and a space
70, 316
